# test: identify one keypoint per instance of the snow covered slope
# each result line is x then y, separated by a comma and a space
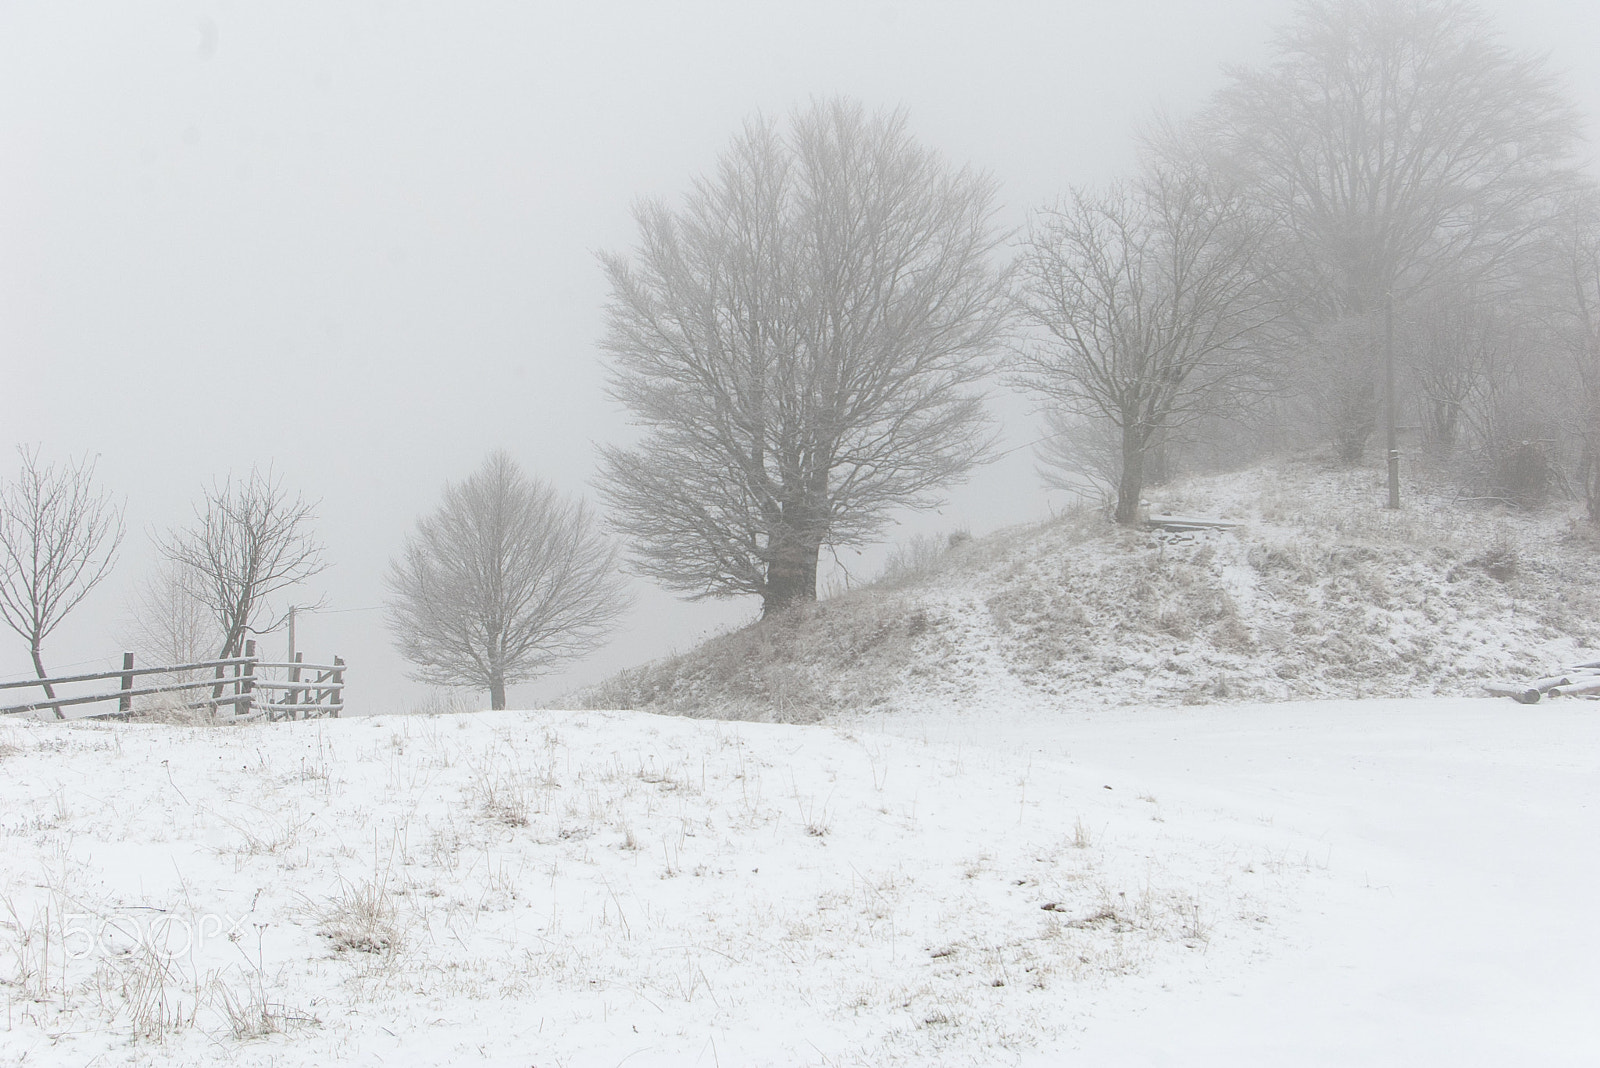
1320, 592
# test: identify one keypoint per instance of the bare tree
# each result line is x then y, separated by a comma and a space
1153, 310
503, 581
1394, 141
168, 623
249, 540
801, 342
58, 538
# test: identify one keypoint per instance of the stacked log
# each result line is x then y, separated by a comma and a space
1579, 680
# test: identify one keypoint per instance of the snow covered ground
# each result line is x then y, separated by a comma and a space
1354, 882
1450, 916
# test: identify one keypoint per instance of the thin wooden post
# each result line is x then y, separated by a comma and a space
338, 684
294, 676
125, 703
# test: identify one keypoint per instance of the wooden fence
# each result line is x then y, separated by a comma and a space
242, 688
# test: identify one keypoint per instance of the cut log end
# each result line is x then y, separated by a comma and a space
1523, 695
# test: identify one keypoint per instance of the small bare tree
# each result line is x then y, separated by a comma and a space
249, 540
58, 538
500, 583
168, 623
803, 343
1153, 309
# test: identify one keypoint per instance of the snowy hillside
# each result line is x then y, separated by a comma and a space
1320, 592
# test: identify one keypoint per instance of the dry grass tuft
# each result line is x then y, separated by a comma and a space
360, 918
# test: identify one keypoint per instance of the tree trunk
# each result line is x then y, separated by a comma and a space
49, 691
1130, 488
792, 574
497, 693
230, 649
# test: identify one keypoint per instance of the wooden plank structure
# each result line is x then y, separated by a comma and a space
1579, 680
1187, 523
243, 688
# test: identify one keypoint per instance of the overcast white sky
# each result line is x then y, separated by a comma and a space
356, 241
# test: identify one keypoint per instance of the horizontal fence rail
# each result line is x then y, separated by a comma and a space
125, 672
247, 687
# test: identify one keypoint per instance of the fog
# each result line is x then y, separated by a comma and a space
357, 242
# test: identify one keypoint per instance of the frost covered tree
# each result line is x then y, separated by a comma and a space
59, 536
1152, 307
801, 341
1395, 143
250, 539
504, 580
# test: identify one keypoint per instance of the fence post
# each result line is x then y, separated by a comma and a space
245, 688
125, 703
338, 685
294, 695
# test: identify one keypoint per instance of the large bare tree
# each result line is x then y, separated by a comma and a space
59, 536
1396, 142
250, 539
504, 580
801, 341
1153, 307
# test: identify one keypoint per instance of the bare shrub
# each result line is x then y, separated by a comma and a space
1524, 475
1500, 559
914, 559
